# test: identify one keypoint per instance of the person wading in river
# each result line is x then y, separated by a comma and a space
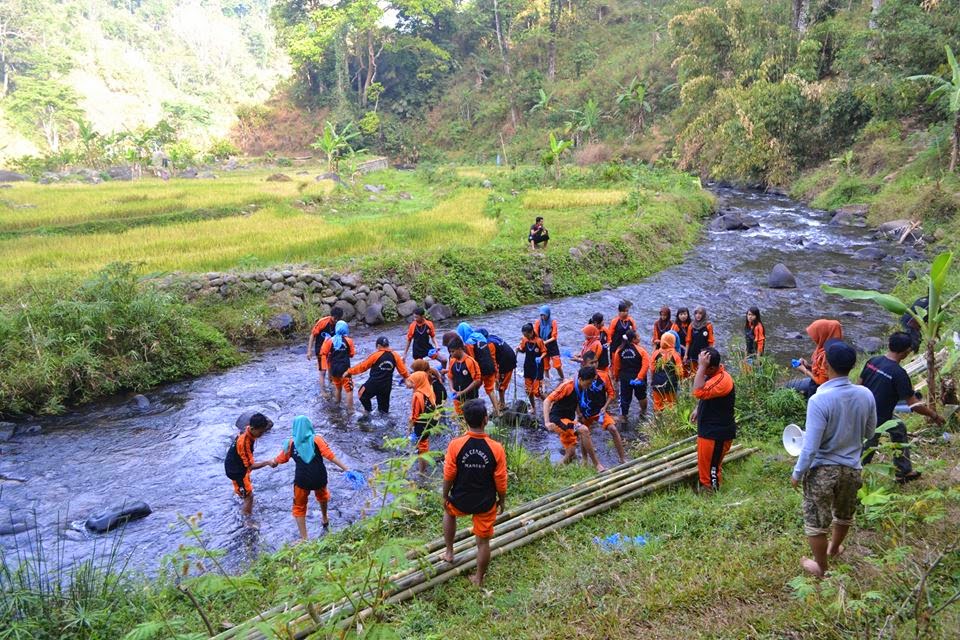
322, 331
307, 449
485, 355
464, 374
336, 354
381, 364
239, 461
631, 363
421, 335
546, 328
423, 413
474, 484
617, 331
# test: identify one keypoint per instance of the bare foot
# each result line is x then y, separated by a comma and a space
601, 468
811, 567
838, 553
447, 557
475, 579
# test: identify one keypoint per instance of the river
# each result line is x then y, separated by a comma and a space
171, 454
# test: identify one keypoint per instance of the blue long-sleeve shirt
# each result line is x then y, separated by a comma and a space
840, 417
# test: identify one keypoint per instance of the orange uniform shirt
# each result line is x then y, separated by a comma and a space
500, 457
322, 446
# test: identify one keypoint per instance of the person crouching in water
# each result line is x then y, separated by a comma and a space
424, 416
381, 364
464, 374
436, 379
485, 355
546, 328
534, 351
560, 417
474, 484
667, 372
631, 363
336, 354
307, 449
714, 416
595, 394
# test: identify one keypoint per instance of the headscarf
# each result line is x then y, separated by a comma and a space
546, 326
342, 329
591, 335
421, 382
821, 331
699, 324
303, 438
464, 330
668, 342
668, 351
664, 325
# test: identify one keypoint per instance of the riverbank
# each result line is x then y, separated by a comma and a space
457, 237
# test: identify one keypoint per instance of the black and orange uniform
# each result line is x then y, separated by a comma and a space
462, 373
618, 327
682, 329
631, 362
592, 400
337, 362
563, 411
486, 357
532, 370
697, 339
308, 476
595, 347
324, 325
660, 327
423, 415
381, 364
476, 464
506, 363
667, 371
755, 338
239, 462
603, 361
716, 425
552, 359
421, 336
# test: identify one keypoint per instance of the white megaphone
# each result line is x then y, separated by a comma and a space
793, 439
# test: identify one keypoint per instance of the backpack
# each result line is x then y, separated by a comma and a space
233, 465
665, 377
506, 356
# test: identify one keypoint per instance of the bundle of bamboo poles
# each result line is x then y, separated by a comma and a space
514, 528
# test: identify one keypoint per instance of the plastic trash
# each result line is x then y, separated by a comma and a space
356, 479
413, 438
538, 360
618, 541
947, 436
431, 353
795, 363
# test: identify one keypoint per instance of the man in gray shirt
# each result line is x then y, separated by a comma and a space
840, 417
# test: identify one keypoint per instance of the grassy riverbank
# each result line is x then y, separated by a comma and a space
730, 561
74, 328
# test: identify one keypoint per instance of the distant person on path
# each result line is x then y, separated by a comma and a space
381, 364
682, 326
421, 335
714, 416
307, 449
661, 326
335, 356
239, 461
546, 327
538, 234
667, 371
699, 336
631, 364
889, 383
322, 331
474, 484
841, 416
754, 334
820, 331
423, 414
534, 351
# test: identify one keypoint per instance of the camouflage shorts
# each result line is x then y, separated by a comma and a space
829, 497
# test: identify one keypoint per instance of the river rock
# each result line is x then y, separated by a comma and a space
117, 515
374, 188
870, 345
517, 414
28, 429
440, 312
330, 176
405, 309
7, 429
13, 523
854, 210
781, 278
189, 174
349, 280
349, 311
281, 323
733, 222
243, 420
870, 253
279, 177
374, 314
390, 292
428, 302
486, 184
403, 294
142, 402
794, 335
12, 176
122, 172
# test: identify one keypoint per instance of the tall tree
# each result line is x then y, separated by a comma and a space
949, 92
45, 107
555, 7
801, 15
17, 36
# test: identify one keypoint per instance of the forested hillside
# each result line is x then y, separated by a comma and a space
73, 68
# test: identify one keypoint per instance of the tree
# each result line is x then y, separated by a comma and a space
555, 153
949, 89
801, 16
543, 103
555, 7
17, 37
334, 143
632, 101
584, 121
930, 320
46, 107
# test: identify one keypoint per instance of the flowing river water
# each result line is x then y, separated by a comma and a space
171, 454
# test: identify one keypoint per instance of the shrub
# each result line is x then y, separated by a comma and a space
221, 149
592, 153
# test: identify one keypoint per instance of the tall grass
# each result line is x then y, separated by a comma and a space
542, 199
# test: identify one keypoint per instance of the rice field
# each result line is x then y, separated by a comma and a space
544, 199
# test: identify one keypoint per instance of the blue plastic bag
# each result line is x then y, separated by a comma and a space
413, 438
795, 363
618, 541
636, 382
566, 353
431, 353
356, 479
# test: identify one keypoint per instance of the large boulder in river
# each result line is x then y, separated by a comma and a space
870, 253
349, 311
12, 176
142, 402
733, 222
281, 323
12, 523
243, 421
517, 414
440, 312
781, 278
374, 314
406, 309
117, 515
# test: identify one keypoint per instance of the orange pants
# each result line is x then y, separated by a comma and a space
345, 383
552, 361
482, 522
532, 387
709, 460
300, 497
567, 430
505, 379
246, 489
489, 382
663, 399
608, 421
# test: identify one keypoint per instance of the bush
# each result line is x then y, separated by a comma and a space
221, 149
182, 154
592, 153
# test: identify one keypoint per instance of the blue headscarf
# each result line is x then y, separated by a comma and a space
546, 327
341, 329
303, 438
477, 338
464, 330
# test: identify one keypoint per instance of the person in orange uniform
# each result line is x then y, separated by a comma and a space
436, 379
464, 374
423, 412
661, 326
381, 364
619, 326
591, 344
533, 350
667, 372
321, 332
336, 354
307, 449
714, 416
239, 461
699, 337
560, 417
631, 363
546, 328
474, 484
682, 326
506, 365
594, 399
603, 364
754, 334
820, 331
421, 335
484, 352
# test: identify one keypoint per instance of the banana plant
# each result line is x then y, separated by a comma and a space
556, 150
949, 89
930, 320
334, 143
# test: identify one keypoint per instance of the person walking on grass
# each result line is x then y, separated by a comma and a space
841, 416
322, 331
714, 416
889, 383
474, 484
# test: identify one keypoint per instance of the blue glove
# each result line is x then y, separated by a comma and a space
325, 335
566, 353
538, 360
636, 382
431, 353
795, 363
356, 479
454, 395
413, 438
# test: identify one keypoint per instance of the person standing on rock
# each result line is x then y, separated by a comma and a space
820, 331
714, 416
381, 364
546, 328
322, 331
422, 335
239, 461
841, 416
889, 383
336, 354
538, 234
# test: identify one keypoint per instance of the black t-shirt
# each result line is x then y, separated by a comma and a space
889, 384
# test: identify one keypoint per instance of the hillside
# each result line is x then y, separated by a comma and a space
122, 64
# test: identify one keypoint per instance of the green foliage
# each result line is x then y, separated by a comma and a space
44, 109
334, 143
222, 149
182, 154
